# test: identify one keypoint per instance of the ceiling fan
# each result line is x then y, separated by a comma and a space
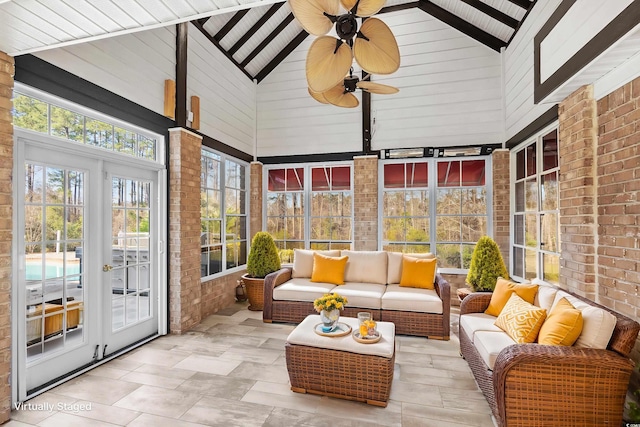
329, 59
341, 95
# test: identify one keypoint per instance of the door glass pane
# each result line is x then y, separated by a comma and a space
54, 241
130, 274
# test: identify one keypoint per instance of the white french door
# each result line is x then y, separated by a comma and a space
87, 276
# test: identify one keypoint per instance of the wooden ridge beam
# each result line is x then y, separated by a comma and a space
272, 10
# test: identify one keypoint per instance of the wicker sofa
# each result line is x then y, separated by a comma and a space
549, 385
371, 284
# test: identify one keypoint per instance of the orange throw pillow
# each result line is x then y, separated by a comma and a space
328, 269
418, 273
502, 292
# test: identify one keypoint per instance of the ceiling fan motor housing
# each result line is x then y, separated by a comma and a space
346, 26
350, 83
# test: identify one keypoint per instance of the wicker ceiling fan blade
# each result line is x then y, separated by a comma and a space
328, 61
365, 7
376, 49
311, 14
338, 97
318, 96
377, 88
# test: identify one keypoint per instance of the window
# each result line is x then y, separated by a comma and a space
326, 190
222, 219
435, 205
536, 245
46, 117
331, 202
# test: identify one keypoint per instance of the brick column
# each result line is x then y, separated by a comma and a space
578, 234
6, 231
501, 201
255, 201
184, 230
365, 203
618, 172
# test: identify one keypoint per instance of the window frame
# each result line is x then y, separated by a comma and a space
537, 138
223, 159
432, 190
307, 195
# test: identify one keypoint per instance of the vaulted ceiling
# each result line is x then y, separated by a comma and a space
256, 35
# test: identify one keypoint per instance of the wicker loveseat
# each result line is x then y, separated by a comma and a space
371, 285
549, 385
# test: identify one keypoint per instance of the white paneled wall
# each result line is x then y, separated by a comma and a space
449, 88
133, 66
227, 96
291, 122
520, 110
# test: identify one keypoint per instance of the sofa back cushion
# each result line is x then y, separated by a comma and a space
546, 296
597, 323
394, 271
366, 267
303, 261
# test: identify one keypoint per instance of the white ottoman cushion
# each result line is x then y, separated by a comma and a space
304, 334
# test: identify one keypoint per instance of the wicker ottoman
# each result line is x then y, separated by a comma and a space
340, 366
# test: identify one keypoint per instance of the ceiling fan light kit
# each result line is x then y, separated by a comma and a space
330, 59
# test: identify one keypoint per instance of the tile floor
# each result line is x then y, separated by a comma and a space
231, 371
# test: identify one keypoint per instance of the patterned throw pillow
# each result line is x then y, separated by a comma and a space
521, 320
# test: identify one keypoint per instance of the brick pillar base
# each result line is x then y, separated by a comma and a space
255, 201
6, 231
578, 233
365, 203
501, 201
184, 230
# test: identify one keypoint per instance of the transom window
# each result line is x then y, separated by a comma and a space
326, 190
435, 205
39, 115
536, 235
223, 213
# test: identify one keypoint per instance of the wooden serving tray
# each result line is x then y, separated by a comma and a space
341, 330
356, 336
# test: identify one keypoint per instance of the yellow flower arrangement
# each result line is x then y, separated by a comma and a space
330, 302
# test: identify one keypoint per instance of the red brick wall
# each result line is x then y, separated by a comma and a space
577, 142
365, 203
184, 230
500, 160
218, 293
6, 231
618, 198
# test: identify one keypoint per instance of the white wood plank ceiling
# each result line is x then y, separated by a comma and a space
256, 35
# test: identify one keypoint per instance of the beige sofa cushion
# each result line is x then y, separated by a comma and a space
597, 323
365, 295
490, 344
301, 289
545, 296
474, 322
366, 267
411, 299
394, 270
303, 261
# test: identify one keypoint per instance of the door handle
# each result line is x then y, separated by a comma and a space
107, 267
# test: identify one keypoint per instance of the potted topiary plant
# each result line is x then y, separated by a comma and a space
486, 266
263, 259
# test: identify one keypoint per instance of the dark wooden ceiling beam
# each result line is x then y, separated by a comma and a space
525, 4
181, 73
399, 7
461, 25
221, 49
267, 40
293, 44
272, 10
230, 24
494, 13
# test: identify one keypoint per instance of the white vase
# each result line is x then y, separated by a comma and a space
329, 319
